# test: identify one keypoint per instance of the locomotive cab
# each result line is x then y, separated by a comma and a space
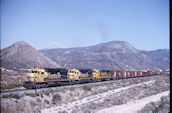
33, 76
73, 74
96, 73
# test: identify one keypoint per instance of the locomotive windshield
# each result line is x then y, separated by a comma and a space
32, 71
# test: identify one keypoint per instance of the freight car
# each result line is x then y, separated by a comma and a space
45, 77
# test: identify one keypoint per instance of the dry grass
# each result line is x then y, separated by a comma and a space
15, 96
11, 86
33, 104
46, 101
38, 100
56, 98
86, 88
47, 92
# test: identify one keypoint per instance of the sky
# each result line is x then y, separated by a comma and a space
80, 23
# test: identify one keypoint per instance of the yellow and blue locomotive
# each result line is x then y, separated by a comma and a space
44, 77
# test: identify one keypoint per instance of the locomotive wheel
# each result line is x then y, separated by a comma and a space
46, 86
71, 82
95, 80
38, 86
29, 86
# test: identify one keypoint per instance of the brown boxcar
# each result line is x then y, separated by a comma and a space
144, 73
124, 74
113, 75
119, 74
116, 75
127, 74
138, 73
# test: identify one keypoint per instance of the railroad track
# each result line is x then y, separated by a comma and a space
66, 86
12, 90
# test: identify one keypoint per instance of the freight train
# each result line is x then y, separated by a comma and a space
44, 77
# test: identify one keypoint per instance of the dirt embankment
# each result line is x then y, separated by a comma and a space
86, 98
162, 105
11, 79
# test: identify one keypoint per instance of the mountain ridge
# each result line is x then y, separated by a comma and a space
116, 55
110, 55
21, 55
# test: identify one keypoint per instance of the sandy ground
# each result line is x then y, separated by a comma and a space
70, 105
134, 106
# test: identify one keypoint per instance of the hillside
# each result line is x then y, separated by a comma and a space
116, 55
112, 55
21, 55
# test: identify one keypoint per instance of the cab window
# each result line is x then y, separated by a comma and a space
34, 71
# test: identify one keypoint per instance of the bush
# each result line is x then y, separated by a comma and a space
47, 92
38, 100
156, 107
36, 94
71, 88
11, 86
15, 96
86, 88
6, 96
33, 104
56, 98
30, 94
46, 101
42, 95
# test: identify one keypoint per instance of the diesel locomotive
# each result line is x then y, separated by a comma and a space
44, 77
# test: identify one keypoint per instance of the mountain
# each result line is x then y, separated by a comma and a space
115, 55
21, 55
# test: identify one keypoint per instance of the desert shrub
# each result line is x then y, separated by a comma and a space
36, 94
64, 111
56, 98
70, 94
87, 88
33, 104
16, 101
27, 94
156, 107
42, 95
30, 94
15, 96
145, 86
46, 101
38, 100
71, 88
63, 90
47, 92
6, 96
11, 86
